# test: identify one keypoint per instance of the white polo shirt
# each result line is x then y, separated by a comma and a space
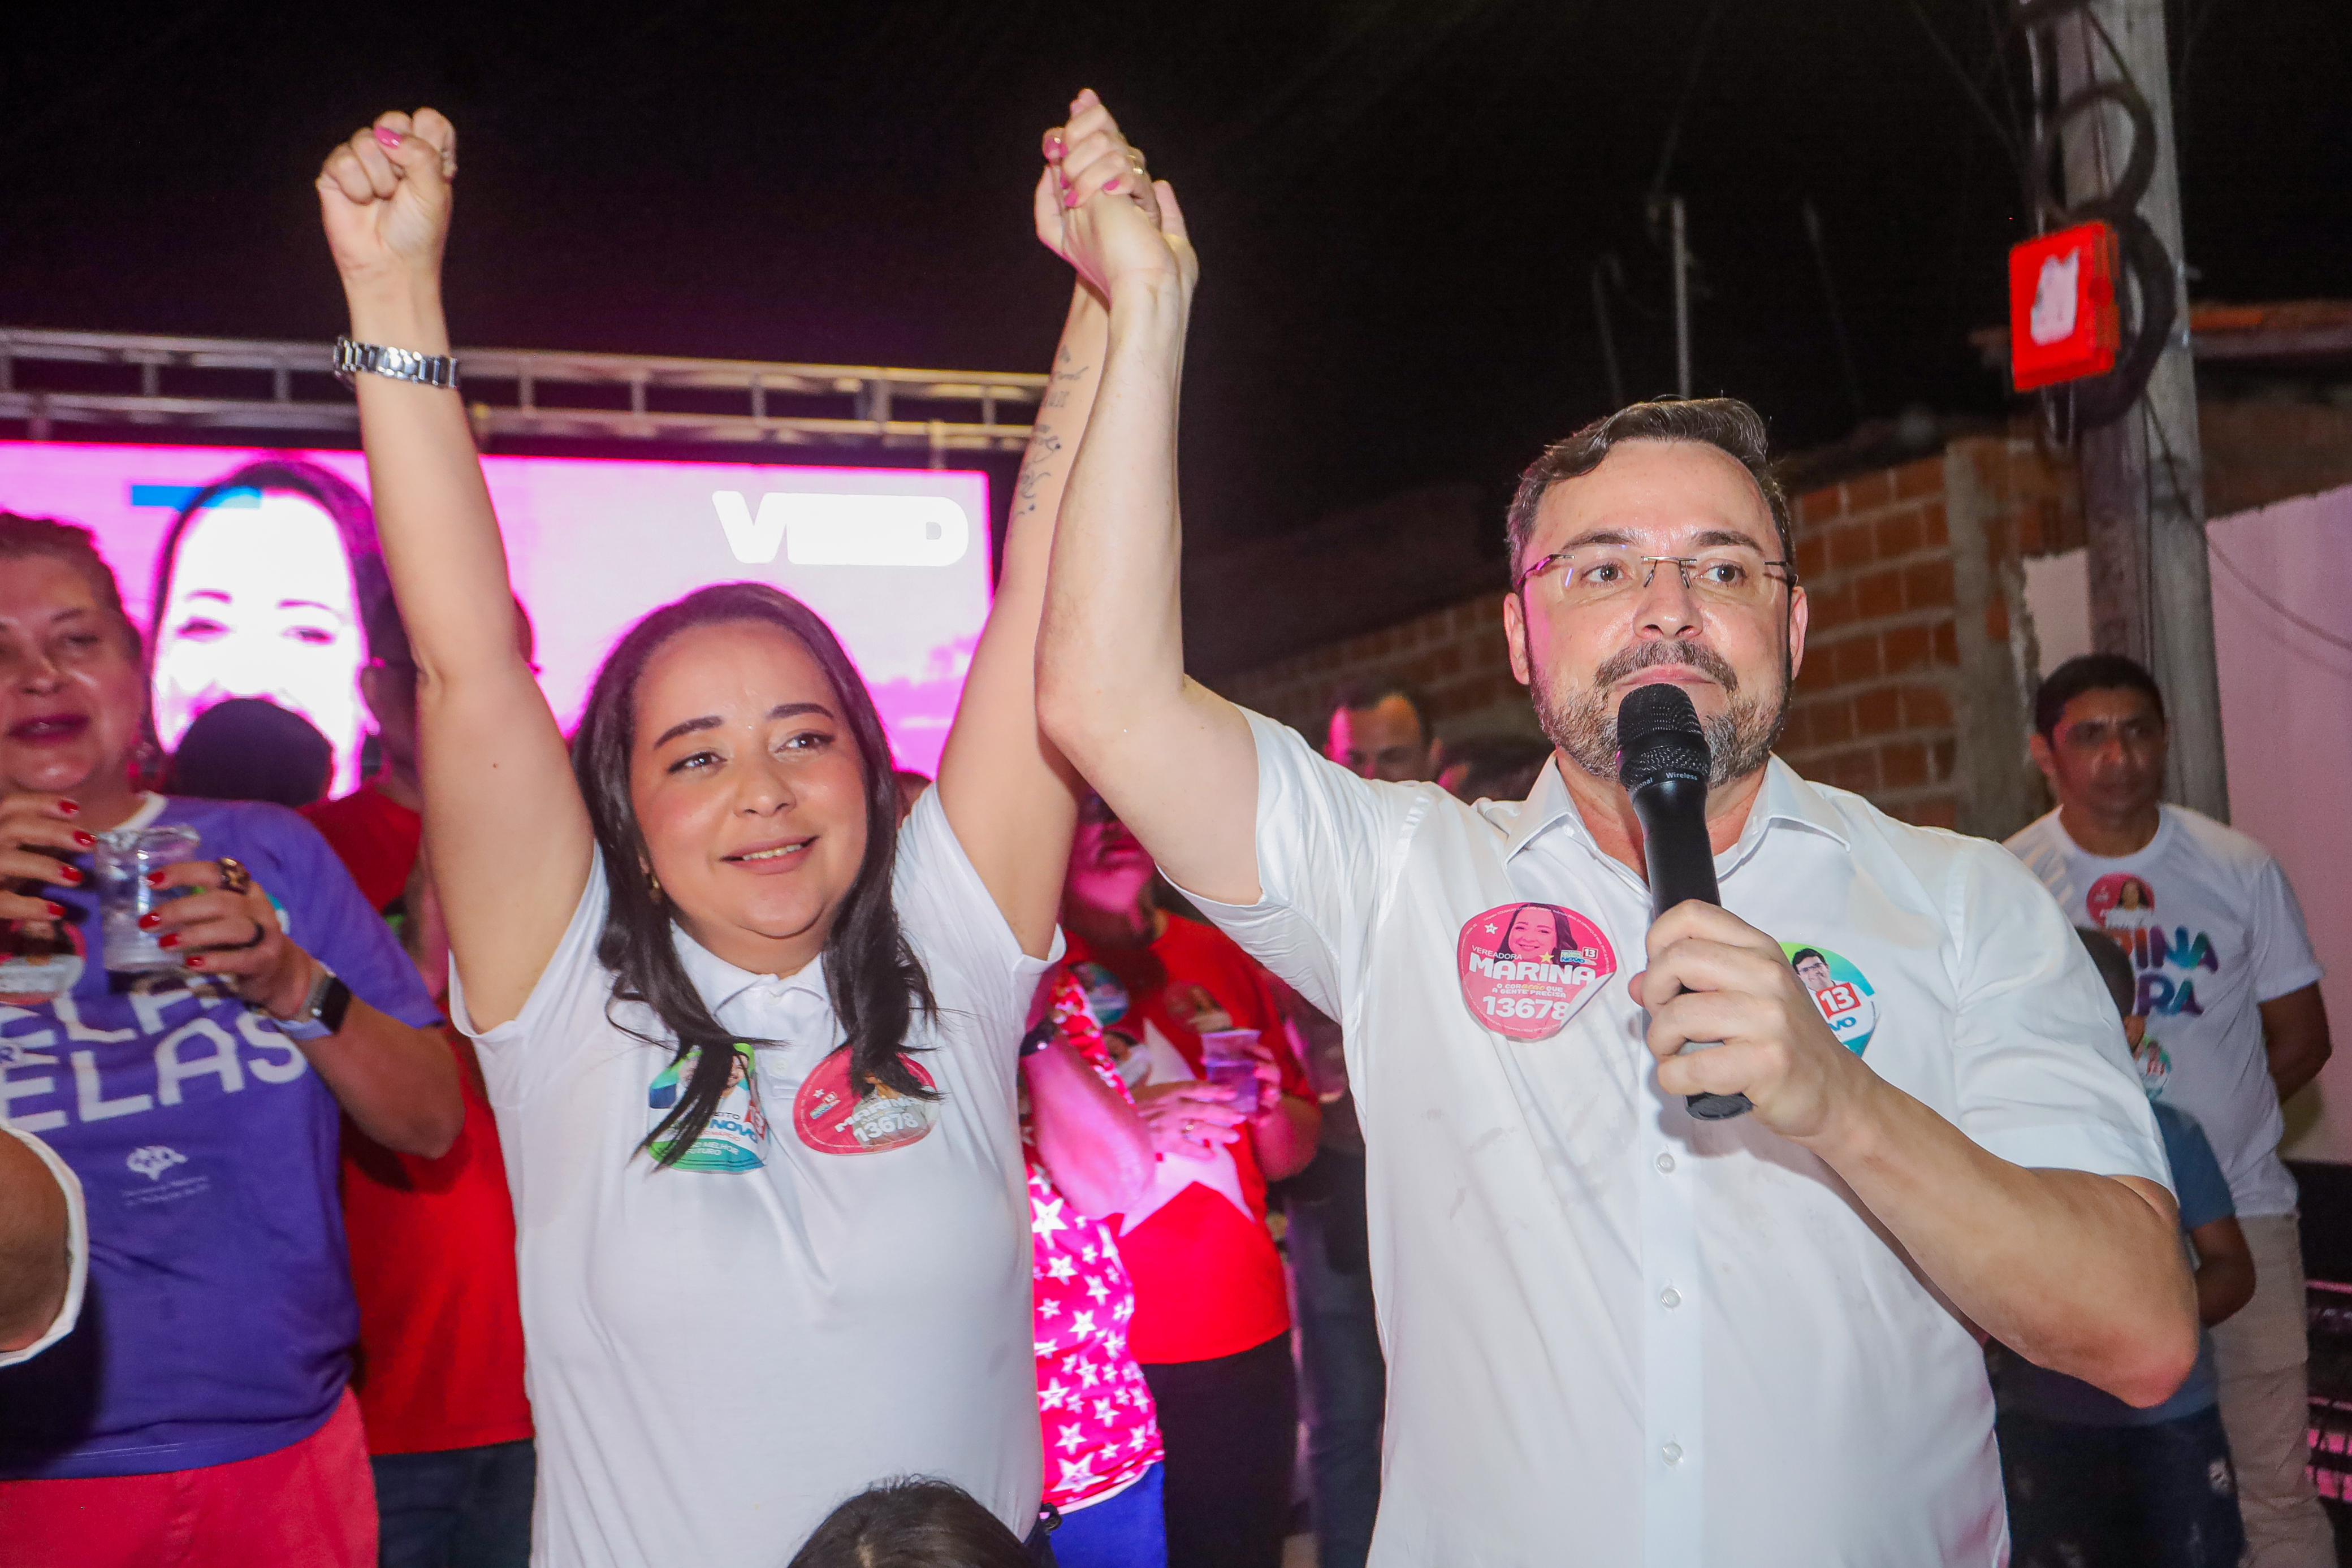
1615, 1335
717, 1357
77, 1249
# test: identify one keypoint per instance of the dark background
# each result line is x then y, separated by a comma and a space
1398, 202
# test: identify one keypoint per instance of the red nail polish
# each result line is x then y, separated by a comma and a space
196, 961
57, 911
170, 940
149, 921
154, 879
70, 807
87, 840
70, 875
388, 137
1111, 184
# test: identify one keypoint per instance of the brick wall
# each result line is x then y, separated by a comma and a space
1455, 656
1909, 643
1911, 663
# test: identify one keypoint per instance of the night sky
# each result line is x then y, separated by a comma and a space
1399, 204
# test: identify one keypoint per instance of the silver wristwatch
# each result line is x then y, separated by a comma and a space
400, 364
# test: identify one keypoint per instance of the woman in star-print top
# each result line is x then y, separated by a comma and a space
1087, 1154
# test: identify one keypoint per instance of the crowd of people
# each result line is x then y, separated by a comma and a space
698, 1139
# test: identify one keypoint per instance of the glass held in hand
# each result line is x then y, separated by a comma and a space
1229, 1060
124, 860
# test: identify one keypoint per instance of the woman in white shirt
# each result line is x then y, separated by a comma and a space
751, 1044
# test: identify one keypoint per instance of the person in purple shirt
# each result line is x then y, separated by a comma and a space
197, 1413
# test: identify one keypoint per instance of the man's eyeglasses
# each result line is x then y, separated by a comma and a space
1589, 575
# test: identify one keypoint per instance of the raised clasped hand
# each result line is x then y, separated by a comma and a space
1717, 978
1099, 208
385, 195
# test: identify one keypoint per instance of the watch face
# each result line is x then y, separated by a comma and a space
334, 1005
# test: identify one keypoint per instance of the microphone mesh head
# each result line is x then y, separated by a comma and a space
1658, 737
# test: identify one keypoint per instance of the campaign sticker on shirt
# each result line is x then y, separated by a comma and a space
1842, 993
736, 1137
2120, 902
1106, 998
2154, 1064
36, 967
833, 1119
1526, 968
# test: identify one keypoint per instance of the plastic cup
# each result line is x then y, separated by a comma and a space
1229, 1060
124, 860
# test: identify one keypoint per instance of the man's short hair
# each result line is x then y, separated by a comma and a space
1372, 693
1725, 423
2115, 966
2089, 672
1802, 953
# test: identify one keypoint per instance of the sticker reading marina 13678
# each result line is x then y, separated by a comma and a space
1526, 968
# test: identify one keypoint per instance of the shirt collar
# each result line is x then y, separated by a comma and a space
1785, 798
718, 982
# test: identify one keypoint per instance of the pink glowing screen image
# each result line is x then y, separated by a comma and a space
264, 588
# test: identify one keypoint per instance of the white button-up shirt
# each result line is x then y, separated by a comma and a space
1616, 1335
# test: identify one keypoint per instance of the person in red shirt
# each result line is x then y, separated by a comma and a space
440, 1377
1211, 1325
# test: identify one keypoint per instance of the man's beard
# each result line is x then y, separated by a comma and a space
1739, 739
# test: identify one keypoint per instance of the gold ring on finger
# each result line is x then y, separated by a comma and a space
234, 878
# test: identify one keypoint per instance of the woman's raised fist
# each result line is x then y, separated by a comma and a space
384, 196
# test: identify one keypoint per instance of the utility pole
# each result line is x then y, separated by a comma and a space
1680, 242
2143, 474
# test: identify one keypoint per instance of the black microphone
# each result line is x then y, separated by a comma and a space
1663, 761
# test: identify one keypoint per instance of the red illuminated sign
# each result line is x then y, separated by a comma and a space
2063, 322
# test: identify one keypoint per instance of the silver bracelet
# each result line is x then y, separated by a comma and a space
400, 364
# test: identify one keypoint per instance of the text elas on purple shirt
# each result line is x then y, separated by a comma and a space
219, 1321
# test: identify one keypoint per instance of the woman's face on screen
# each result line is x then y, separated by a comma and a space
261, 604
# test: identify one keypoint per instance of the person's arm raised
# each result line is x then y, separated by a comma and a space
1174, 760
510, 836
1008, 792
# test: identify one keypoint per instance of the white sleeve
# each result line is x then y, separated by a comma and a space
2283, 958
565, 1009
951, 921
77, 1250
1328, 845
2043, 1075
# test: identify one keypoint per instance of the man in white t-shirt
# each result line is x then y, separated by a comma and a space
2230, 988
1616, 1334
43, 1247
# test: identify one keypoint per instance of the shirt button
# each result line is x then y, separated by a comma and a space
1665, 1162
1670, 1298
1671, 1453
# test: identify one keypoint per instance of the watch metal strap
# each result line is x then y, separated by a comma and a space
399, 364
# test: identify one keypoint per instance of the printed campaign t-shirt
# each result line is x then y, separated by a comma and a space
2204, 1196
1208, 1280
432, 1240
829, 1289
1101, 1429
219, 1321
2214, 931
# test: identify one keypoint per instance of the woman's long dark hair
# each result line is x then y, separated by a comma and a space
876, 983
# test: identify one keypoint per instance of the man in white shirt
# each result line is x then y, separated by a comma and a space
43, 1247
1616, 1335
2229, 987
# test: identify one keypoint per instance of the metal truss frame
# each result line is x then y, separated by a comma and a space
242, 384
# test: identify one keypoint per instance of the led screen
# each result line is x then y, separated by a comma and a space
260, 597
